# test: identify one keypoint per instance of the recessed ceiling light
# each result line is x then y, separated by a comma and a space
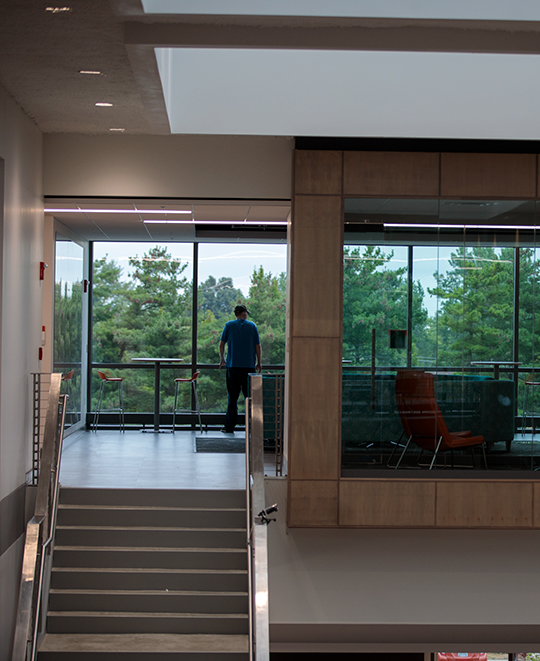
57, 10
117, 130
103, 104
91, 73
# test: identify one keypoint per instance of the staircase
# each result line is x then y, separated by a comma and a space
144, 574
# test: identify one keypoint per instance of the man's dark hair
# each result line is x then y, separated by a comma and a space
239, 309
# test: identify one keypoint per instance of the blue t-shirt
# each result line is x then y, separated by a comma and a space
241, 337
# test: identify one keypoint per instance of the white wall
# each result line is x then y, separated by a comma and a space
401, 590
21, 149
20, 331
192, 166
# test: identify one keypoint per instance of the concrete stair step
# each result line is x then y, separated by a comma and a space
124, 516
150, 557
188, 498
141, 647
158, 601
230, 580
151, 536
145, 622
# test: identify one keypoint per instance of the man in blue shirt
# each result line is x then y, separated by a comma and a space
243, 357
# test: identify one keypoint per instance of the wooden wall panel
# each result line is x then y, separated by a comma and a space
488, 175
313, 504
390, 502
391, 173
316, 266
315, 408
536, 505
318, 172
484, 504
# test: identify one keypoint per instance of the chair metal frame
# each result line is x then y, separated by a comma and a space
197, 410
530, 383
110, 379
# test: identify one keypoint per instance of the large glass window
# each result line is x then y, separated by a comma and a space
253, 274
142, 307
459, 279
172, 301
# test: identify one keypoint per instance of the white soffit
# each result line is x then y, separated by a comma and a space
504, 10
358, 93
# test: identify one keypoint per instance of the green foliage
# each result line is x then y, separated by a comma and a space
375, 297
218, 297
149, 314
475, 322
67, 323
267, 306
109, 301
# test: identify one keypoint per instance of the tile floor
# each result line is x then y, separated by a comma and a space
148, 461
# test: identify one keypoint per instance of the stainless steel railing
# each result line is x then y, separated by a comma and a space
40, 532
259, 641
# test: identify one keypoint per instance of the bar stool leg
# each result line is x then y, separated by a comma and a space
121, 402
524, 415
175, 403
98, 407
196, 399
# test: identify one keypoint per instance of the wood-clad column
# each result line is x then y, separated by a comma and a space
315, 322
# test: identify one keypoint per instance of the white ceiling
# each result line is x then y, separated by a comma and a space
117, 220
42, 52
378, 70
507, 10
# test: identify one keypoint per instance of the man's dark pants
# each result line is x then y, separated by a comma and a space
237, 381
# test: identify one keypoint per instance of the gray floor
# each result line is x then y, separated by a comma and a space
148, 461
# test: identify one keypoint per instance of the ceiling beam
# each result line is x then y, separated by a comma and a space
443, 36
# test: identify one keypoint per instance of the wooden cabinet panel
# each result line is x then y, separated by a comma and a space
312, 504
391, 173
318, 172
484, 504
387, 503
315, 408
316, 266
536, 505
488, 175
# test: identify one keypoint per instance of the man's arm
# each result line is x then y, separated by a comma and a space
221, 354
259, 355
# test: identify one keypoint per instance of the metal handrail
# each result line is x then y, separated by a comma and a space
40, 531
259, 640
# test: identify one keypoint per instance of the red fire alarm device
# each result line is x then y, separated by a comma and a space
42, 267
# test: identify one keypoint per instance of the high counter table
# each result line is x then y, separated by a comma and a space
495, 364
157, 380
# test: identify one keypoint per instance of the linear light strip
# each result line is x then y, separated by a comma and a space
137, 211
215, 222
461, 227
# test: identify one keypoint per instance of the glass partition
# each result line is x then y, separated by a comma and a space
68, 323
446, 291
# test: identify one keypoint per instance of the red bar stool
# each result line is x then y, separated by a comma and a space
66, 378
110, 379
193, 381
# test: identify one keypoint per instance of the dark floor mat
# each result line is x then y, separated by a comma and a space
220, 444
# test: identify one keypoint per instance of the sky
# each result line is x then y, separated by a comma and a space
222, 259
